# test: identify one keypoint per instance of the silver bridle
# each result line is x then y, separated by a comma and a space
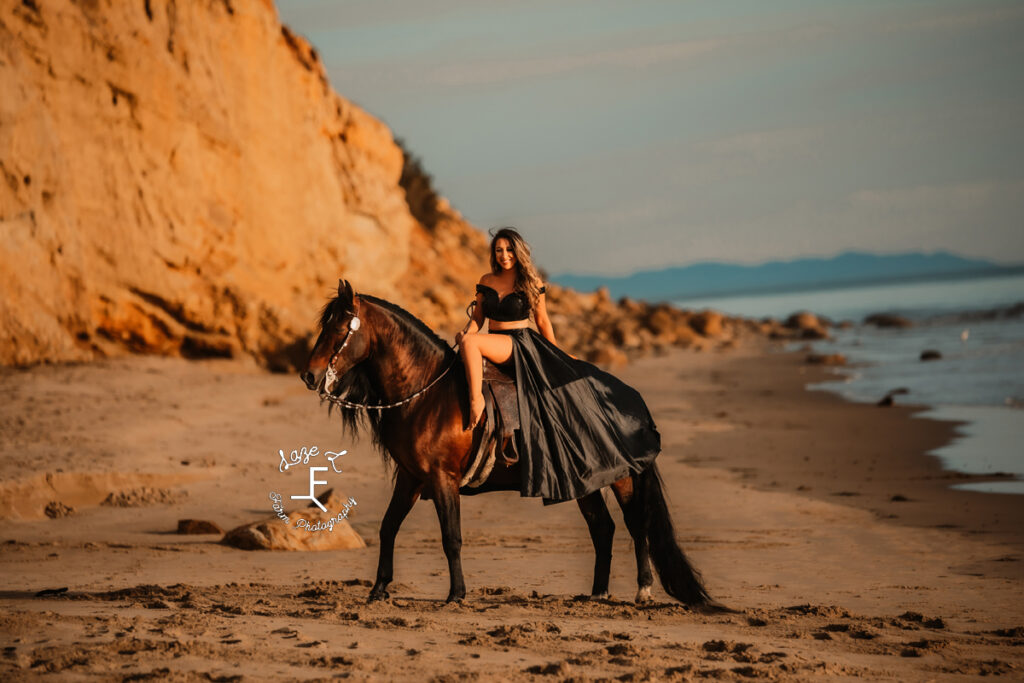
331, 377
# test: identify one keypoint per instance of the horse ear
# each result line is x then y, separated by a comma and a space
345, 292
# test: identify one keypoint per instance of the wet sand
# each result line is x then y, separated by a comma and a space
822, 523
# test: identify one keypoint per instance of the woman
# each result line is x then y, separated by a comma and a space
581, 428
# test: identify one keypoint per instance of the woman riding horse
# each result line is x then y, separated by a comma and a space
377, 361
582, 428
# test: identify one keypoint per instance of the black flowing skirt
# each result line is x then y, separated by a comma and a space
581, 428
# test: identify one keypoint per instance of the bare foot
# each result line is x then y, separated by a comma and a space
476, 410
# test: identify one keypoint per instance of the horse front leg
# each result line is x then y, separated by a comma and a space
637, 523
602, 530
405, 495
448, 506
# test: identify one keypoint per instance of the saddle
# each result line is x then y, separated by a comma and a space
496, 441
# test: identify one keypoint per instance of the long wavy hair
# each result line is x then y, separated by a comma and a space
527, 278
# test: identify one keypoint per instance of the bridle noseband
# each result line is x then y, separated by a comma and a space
331, 377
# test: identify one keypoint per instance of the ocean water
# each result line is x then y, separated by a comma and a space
978, 381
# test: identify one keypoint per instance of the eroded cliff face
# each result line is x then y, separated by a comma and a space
179, 178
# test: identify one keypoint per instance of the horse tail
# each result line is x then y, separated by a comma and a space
678, 577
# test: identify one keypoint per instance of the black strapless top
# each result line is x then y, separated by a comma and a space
512, 307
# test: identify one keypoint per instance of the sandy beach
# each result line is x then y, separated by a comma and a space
820, 522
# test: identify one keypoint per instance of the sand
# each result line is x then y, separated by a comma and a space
822, 523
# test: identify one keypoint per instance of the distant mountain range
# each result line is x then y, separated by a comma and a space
846, 269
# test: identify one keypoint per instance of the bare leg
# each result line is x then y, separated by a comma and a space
475, 347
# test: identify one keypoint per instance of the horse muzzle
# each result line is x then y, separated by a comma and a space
311, 380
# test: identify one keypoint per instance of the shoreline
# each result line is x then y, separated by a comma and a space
913, 488
979, 429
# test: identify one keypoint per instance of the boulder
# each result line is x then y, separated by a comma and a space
708, 323
930, 354
662, 321
832, 359
686, 336
335, 502
608, 356
56, 509
887, 320
624, 333
889, 398
807, 325
306, 529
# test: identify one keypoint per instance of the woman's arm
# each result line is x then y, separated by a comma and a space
543, 321
476, 321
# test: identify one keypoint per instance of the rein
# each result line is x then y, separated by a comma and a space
332, 376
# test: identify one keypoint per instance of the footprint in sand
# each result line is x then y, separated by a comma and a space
286, 632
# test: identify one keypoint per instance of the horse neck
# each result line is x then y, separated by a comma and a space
399, 363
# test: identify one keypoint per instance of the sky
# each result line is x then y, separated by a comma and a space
625, 136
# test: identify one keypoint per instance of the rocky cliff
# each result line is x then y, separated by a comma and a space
180, 178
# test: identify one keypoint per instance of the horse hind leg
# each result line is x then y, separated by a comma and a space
602, 530
678, 577
405, 495
637, 523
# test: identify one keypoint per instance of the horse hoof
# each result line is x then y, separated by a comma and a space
599, 596
456, 599
378, 595
643, 595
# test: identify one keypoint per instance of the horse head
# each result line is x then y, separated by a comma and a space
340, 345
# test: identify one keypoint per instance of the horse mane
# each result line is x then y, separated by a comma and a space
356, 386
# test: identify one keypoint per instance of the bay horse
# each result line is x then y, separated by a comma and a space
376, 353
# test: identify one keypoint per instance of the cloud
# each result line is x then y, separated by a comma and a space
960, 21
637, 57
762, 146
928, 200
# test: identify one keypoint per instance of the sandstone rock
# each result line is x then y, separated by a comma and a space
185, 181
686, 336
632, 307
807, 325
662, 321
198, 526
624, 333
833, 359
887, 320
56, 509
708, 323
336, 502
305, 531
608, 356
